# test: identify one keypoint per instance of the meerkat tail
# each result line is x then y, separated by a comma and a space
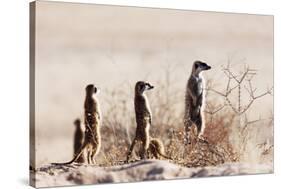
163, 155
75, 157
158, 147
131, 149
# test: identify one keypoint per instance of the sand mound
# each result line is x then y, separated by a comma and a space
58, 175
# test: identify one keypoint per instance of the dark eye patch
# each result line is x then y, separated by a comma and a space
142, 86
204, 64
196, 66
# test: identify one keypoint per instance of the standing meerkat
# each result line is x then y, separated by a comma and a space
194, 100
156, 149
78, 140
143, 118
92, 118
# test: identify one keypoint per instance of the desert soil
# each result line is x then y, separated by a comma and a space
77, 174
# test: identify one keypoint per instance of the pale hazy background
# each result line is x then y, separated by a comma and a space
113, 47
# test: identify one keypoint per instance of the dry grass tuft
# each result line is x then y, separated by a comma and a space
227, 129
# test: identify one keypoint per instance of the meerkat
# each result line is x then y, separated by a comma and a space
78, 140
92, 118
143, 118
156, 149
194, 100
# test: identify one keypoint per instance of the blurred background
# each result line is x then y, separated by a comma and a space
113, 47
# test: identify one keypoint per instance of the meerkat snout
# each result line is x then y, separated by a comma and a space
148, 86
97, 90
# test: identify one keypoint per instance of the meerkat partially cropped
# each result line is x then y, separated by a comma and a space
194, 99
92, 118
143, 118
156, 149
78, 140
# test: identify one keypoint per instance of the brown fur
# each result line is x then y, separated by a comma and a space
78, 141
92, 117
194, 100
156, 149
143, 119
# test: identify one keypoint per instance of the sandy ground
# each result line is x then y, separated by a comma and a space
51, 175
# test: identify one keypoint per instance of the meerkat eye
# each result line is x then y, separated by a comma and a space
196, 66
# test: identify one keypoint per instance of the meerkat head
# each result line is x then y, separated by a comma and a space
142, 86
92, 90
77, 122
199, 66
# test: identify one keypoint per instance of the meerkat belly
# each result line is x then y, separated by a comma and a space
143, 126
147, 110
95, 138
199, 87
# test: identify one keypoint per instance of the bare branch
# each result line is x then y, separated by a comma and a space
247, 75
